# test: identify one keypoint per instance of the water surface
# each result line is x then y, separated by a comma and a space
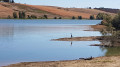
30, 40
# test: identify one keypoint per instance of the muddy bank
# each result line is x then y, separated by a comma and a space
102, 39
96, 27
112, 61
79, 39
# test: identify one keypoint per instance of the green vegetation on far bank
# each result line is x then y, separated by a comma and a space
23, 15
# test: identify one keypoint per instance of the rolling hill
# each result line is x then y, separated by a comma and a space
51, 11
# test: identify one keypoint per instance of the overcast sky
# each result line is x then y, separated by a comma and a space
74, 3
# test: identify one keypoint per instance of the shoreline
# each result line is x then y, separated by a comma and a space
92, 38
106, 61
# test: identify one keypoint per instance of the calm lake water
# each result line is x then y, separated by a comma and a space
30, 40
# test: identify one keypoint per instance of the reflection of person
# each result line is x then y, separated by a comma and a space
71, 43
71, 35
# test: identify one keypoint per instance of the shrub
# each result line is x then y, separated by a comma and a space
55, 17
45, 16
15, 15
79, 17
102, 16
92, 17
60, 17
116, 22
73, 17
33, 17
22, 15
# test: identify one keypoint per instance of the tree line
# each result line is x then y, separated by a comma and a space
23, 15
92, 17
11, 1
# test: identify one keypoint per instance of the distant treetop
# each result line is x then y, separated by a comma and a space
11, 1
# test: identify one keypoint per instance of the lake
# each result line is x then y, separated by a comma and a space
30, 40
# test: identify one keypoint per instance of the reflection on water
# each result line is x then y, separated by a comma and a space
29, 40
111, 51
6, 30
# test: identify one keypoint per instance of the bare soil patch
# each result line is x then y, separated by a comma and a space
112, 61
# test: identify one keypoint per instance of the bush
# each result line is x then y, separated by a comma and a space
102, 16
73, 17
60, 17
45, 16
116, 22
92, 17
79, 17
22, 15
33, 17
15, 15
55, 17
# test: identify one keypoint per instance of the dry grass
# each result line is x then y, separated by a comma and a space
8, 8
5, 11
88, 11
61, 12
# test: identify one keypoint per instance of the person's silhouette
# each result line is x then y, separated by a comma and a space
71, 35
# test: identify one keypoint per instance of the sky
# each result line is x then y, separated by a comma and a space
74, 3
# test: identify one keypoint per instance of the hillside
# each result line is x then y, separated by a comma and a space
109, 10
38, 10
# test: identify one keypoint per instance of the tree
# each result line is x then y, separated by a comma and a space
55, 17
60, 17
12, 1
33, 17
92, 17
102, 16
79, 17
73, 17
15, 15
6, 0
20, 15
45, 16
23, 15
116, 22
90, 7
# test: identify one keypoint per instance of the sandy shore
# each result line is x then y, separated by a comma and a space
113, 61
97, 27
78, 39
